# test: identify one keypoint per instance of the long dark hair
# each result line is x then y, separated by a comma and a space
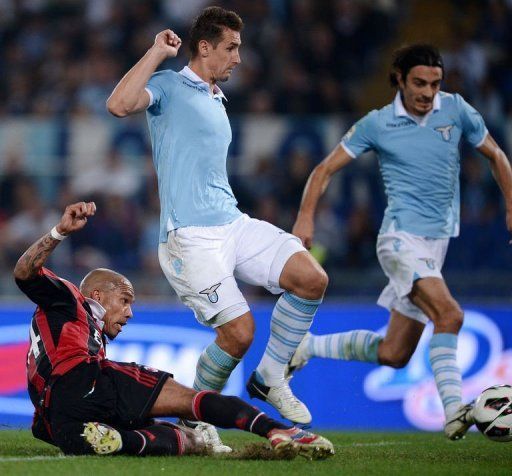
407, 57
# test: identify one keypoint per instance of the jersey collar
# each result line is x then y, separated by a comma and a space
98, 311
400, 110
189, 74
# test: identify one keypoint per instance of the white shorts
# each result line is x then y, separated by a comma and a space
405, 258
201, 264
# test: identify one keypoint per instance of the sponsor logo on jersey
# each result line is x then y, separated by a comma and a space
398, 124
193, 86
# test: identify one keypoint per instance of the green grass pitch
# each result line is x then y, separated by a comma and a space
356, 454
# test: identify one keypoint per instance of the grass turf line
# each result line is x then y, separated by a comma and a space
356, 453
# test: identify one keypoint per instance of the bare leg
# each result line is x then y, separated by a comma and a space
401, 340
433, 297
235, 337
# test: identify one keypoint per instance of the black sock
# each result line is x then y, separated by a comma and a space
158, 439
232, 412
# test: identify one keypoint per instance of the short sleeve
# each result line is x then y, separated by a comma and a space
472, 123
362, 136
45, 289
159, 89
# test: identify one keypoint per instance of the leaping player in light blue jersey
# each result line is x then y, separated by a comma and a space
416, 138
205, 241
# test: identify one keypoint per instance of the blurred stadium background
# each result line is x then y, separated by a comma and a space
310, 69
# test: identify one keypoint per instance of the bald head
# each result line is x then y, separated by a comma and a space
115, 293
103, 279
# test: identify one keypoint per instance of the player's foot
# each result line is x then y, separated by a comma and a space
299, 358
294, 441
459, 423
209, 434
103, 439
281, 398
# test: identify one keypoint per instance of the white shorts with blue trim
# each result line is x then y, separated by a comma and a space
203, 263
405, 258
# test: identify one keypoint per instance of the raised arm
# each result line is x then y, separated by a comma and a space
73, 219
315, 187
130, 96
502, 173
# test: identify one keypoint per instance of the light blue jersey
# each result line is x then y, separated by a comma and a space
419, 161
190, 136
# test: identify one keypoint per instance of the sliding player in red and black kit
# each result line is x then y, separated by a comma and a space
85, 403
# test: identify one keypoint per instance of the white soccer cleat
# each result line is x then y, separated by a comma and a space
299, 358
211, 438
281, 398
103, 439
294, 441
459, 423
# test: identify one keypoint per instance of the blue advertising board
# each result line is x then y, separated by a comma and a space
340, 395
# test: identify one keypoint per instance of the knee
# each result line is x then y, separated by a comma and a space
397, 359
237, 342
322, 281
449, 319
313, 284
456, 319
244, 341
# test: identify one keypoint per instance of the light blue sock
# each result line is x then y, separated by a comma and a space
214, 368
291, 319
447, 374
359, 345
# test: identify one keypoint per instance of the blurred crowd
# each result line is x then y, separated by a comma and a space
304, 58
300, 56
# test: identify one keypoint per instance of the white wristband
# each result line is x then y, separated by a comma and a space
56, 235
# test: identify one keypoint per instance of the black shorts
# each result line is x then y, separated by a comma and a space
120, 394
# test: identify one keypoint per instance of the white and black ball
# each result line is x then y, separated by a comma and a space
493, 413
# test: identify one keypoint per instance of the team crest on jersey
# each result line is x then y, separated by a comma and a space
211, 292
445, 132
431, 264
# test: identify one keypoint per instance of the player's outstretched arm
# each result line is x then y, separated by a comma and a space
74, 219
315, 187
501, 171
130, 96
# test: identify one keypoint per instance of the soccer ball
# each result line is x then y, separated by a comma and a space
493, 413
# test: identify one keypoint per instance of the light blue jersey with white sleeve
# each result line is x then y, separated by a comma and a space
190, 135
419, 160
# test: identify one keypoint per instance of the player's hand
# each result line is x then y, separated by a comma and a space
75, 217
304, 229
168, 43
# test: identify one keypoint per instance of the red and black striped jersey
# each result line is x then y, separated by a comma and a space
63, 331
